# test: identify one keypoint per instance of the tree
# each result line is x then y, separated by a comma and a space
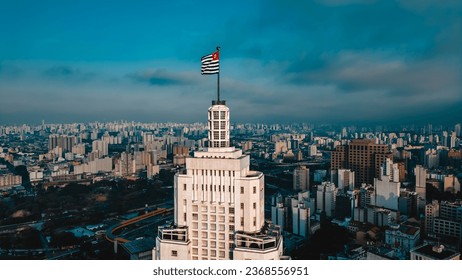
22, 171
64, 239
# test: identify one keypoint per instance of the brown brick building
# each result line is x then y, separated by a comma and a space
362, 156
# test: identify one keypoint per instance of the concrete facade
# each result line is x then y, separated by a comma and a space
219, 204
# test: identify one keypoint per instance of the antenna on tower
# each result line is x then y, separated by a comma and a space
218, 77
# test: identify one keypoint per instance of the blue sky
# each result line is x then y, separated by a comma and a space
350, 61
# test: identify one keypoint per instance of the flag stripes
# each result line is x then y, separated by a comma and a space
210, 64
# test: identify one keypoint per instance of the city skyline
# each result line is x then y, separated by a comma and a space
326, 61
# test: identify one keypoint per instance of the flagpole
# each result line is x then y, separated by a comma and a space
218, 78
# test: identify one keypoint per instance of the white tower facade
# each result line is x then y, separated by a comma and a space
218, 123
219, 204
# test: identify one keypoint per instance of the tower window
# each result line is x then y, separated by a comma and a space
242, 190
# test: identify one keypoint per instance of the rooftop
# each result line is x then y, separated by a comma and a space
429, 251
139, 245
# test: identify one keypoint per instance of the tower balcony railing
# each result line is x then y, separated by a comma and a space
268, 238
173, 233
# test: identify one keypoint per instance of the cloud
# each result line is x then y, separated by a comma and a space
161, 77
60, 71
283, 61
8, 69
64, 72
404, 83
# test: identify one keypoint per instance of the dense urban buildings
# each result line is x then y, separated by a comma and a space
390, 189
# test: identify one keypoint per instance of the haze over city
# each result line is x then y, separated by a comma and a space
351, 61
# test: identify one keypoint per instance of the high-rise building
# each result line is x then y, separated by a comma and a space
451, 184
407, 203
449, 221
444, 139
313, 150
279, 215
301, 219
345, 202
100, 147
325, 198
344, 178
432, 211
432, 159
420, 178
125, 165
66, 142
453, 140
451, 211
301, 178
362, 156
366, 196
387, 186
457, 129
219, 204
78, 149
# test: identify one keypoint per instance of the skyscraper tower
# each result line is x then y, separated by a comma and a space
457, 129
219, 204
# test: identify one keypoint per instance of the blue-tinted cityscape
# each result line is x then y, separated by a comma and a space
336, 133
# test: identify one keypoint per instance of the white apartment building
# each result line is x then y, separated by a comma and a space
219, 204
387, 187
